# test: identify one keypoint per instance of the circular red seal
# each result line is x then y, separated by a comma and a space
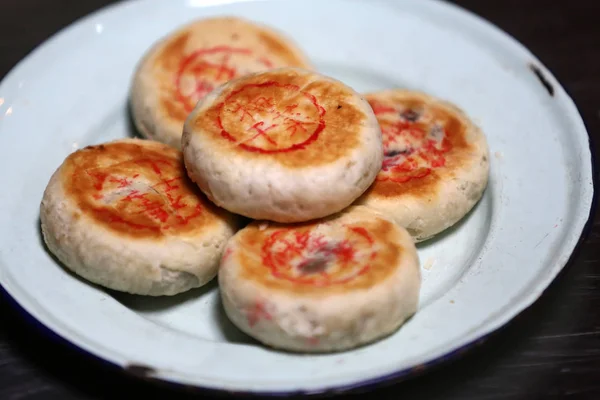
309, 258
412, 147
281, 119
203, 70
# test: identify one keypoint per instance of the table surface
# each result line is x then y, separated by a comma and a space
551, 350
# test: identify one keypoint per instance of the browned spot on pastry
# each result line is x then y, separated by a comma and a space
279, 48
171, 54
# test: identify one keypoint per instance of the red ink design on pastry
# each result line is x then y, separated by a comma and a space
158, 205
205, 69
257, 313
412, 148
309, 258
257, 121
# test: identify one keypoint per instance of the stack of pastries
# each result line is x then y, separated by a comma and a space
302, 197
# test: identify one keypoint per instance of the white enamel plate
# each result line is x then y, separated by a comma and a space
72, 92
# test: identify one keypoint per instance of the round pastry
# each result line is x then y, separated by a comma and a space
435, 166
184, 66
327, 285
125, 216
286, 145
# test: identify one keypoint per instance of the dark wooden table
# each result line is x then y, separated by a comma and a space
552, 350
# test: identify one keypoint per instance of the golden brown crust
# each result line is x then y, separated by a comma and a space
137, 189
204, 54
425, 142
296, 118
320, 257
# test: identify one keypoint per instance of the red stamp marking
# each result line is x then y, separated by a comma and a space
411, 149
203, 70
312, 341
227, 254
158, 207
258, 123
257, 313
310, 258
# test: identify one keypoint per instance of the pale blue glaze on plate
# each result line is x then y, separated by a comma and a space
72, 92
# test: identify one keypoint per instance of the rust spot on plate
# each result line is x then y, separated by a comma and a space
139, 370
540, 75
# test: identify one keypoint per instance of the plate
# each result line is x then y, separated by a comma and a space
72, 92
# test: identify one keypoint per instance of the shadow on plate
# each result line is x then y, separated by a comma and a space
159, 303
454, 228
57, 261
134, 302
362, 79
445, 233
132, 131
233, 334
230, 332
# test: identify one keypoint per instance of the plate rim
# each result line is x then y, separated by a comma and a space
557, 267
